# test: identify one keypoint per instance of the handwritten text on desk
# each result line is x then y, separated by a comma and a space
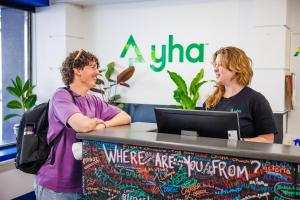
120, 171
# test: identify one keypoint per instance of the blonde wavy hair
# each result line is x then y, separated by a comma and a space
235, 60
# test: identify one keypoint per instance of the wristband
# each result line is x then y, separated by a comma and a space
103, 124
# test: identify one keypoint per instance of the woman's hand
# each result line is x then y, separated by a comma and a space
265, 138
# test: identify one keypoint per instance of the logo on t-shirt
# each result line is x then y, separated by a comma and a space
237, 110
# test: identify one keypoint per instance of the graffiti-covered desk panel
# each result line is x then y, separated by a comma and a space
121, 170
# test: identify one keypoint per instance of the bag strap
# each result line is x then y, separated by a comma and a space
54, 142
71, 93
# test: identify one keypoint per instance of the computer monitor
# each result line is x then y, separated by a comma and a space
215, 124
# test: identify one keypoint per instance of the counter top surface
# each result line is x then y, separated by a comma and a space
144, 134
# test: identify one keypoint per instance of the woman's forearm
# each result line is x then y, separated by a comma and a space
266, 138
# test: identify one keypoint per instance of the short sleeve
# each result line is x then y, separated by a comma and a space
106, 110
263, 116
63, 106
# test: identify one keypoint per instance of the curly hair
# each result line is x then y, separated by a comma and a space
235, 60
76, 59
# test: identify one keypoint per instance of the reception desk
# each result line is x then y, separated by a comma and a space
133, 162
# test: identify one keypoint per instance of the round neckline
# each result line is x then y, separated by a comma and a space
76, 94
229, 98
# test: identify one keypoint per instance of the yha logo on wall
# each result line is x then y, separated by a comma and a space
166, 53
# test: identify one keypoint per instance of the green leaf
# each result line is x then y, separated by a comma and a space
30, 102
195, 98
14, 83
115, 97
195, 81
196, 94
7, 117
14, 104
187, 103
14, 91
19, 83
33, 101
174, 106
26, 86
177, 94
200, 84
178, 80
121, 105
16, 86
25, 99
110, 70
29, 92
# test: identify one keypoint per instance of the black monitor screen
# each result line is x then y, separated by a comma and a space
215, 124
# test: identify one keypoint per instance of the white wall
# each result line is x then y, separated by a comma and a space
218, 23
263, 28
59, 29
50, 48
215, 23
105, 29
271, 44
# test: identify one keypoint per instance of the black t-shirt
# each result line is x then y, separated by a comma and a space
255, 114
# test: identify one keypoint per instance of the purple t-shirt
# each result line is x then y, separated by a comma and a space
65, 175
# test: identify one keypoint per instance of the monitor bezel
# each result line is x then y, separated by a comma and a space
199, 113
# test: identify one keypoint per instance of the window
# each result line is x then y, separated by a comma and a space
14, 59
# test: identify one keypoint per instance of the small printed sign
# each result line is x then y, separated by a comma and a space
232, 135
189, 133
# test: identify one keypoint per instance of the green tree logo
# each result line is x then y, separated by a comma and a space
139, 58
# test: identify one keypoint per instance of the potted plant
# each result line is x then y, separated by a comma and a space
24, 98
187, 98
108, 86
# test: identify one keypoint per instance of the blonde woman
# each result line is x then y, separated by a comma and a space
233, 72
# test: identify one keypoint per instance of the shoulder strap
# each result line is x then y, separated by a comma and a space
55, 141
70, 92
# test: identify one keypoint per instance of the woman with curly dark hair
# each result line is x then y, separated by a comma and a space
70, 112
